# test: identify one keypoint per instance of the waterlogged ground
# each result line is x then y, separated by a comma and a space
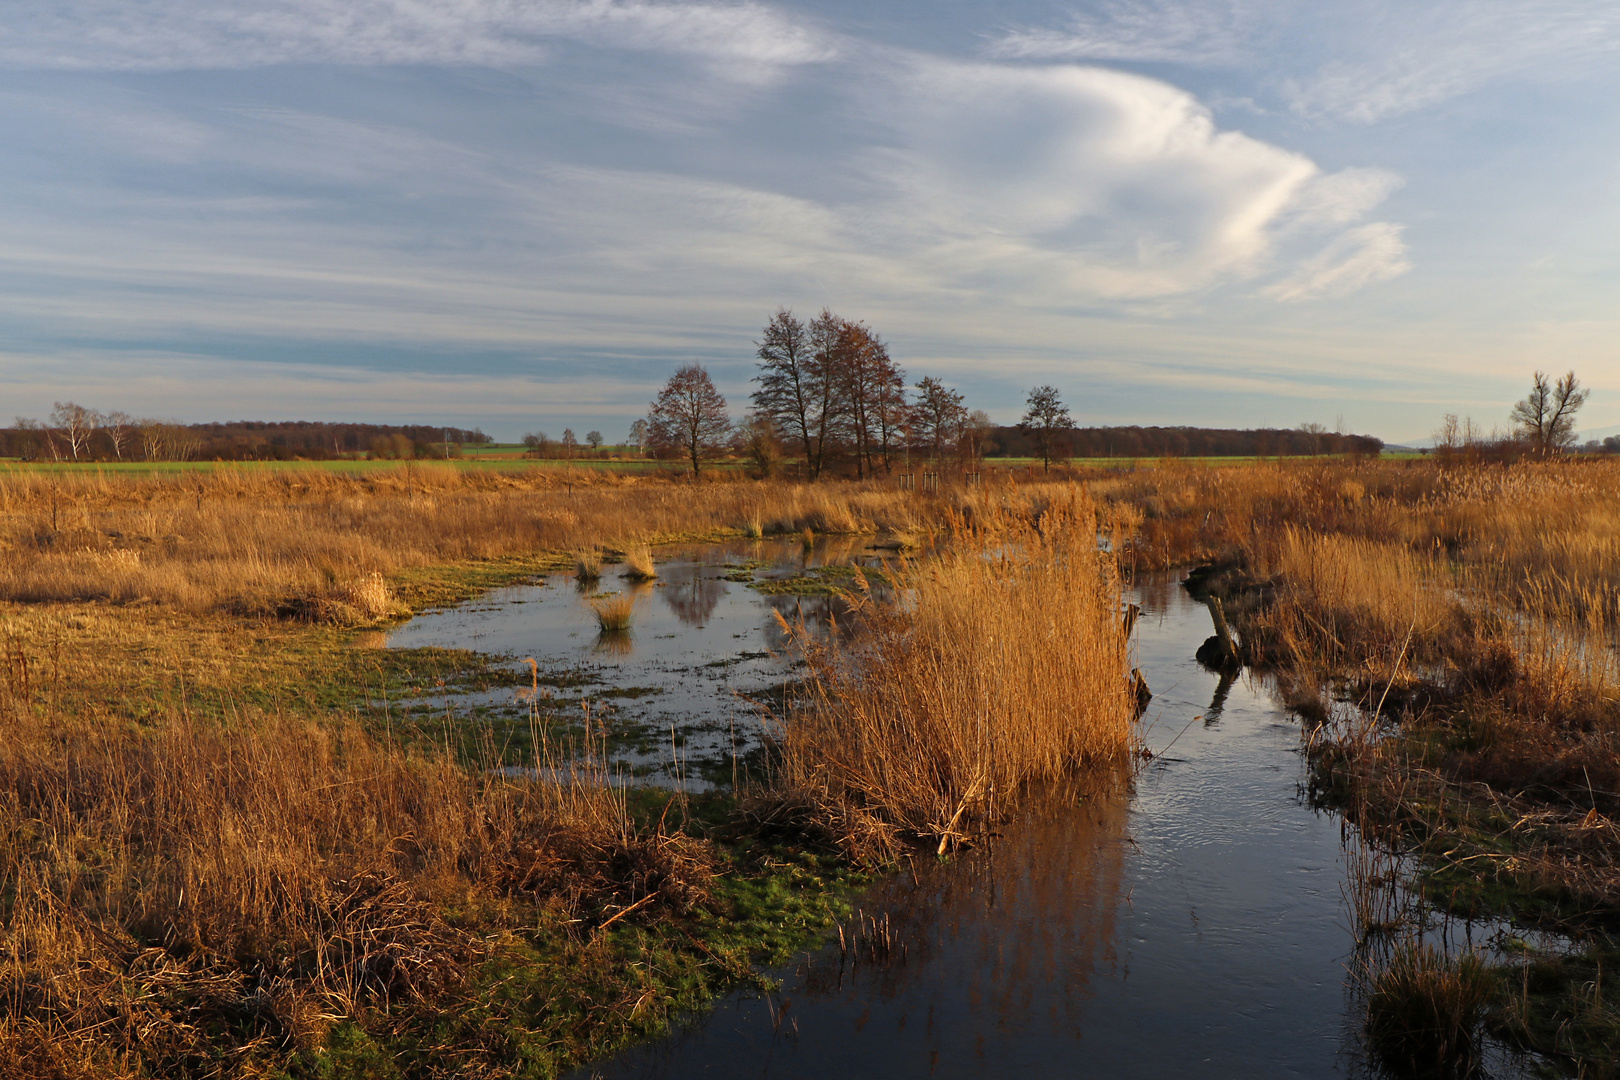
679, 693
1187, 920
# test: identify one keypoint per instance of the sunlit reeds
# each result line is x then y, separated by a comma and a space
192, 887
614, 613
638, 563
1003, 663
286, 541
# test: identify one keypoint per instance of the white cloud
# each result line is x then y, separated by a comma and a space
1068, 184
1353, 260
164, 35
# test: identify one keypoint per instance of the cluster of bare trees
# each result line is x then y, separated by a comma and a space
831, 391
76, 433
828, 392
1542, 425
542, 445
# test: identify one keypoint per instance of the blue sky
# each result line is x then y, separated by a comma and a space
524, 213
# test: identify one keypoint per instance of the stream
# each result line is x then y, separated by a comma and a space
1187, 919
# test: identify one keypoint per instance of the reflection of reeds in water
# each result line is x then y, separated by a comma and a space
638, 563
1029, 917
1005, 665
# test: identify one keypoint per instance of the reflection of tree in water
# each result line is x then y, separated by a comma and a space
1019, 926
692, 594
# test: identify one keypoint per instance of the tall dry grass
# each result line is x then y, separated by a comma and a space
266, 542
1003, 663
186, 897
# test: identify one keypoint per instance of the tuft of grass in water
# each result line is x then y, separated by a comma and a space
638, 563
754, 528
807, 539
1425, 1009
588, 566
614, 613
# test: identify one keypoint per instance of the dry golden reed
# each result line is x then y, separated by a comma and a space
638, 563
1003, 663
262, 542
614, 613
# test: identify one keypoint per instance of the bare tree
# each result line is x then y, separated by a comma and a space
570, 442
689, 416
595, 439
937, 416
1315, 431
638, 435
153, 444
1045, 421
1546, 418
117, 424
864, 377
976, 434
757, 439
76, 423
29, 434
538, 443
789, 384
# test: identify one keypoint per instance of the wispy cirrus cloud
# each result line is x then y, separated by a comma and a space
1359, 61
1351, 261
1205, 33
169, 35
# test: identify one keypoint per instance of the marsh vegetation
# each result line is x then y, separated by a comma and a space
222, 856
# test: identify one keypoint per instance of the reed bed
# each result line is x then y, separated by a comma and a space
280, 542
1003, 664
197, 898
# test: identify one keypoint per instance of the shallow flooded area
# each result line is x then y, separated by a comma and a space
1188, 918
680, 690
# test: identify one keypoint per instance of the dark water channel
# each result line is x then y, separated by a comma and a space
1189, 921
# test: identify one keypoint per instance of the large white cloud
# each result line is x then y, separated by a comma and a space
1067, 183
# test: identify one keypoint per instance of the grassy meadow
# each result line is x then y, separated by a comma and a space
222, 855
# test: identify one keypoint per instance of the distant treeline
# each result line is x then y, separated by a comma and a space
74, 433
1139, 442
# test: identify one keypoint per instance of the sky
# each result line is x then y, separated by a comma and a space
524, 214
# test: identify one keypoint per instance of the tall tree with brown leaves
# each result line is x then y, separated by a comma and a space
689, 416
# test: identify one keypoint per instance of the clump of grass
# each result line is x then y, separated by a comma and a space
807, 538
638, 563
614, 613
754, 528
1425, 1009
1005, 666
588, 565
